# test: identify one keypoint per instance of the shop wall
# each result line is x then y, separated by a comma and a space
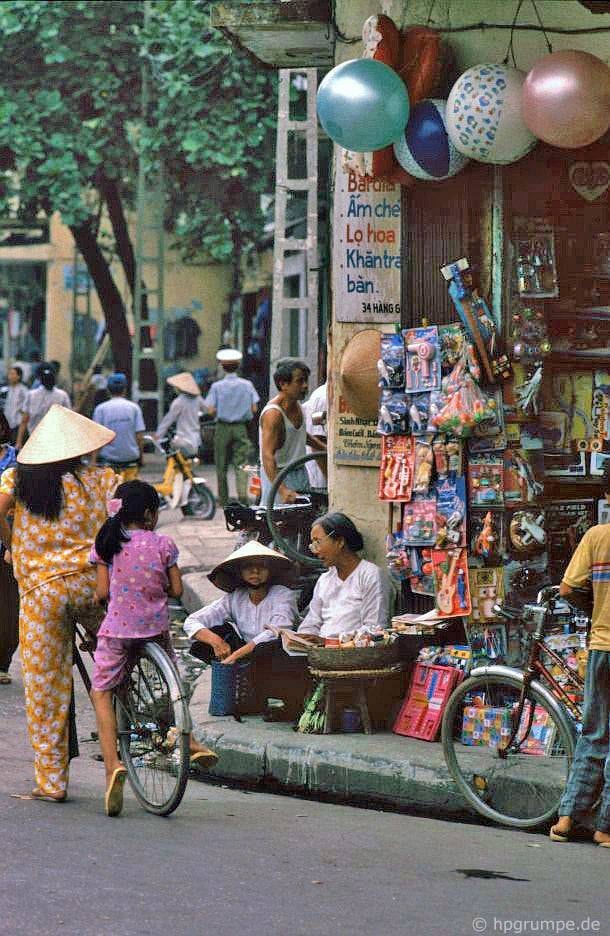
354, 489
201, 288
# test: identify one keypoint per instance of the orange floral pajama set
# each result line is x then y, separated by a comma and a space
51, 565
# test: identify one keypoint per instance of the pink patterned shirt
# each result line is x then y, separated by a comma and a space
137, 606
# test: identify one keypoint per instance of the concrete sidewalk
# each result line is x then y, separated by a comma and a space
380, 769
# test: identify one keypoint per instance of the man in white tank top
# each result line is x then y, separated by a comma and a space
282, 433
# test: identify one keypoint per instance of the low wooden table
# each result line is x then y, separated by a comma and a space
353, 683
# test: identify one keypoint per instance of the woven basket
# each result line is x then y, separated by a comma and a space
354, 658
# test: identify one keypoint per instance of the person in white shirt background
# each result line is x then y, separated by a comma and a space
184, 412
316, 404
16, 396
40, 400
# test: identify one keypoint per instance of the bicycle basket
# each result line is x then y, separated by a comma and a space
89, 616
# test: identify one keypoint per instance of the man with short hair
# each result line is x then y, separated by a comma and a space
125, 418
233, 401
590, 772
16, 397
282, 432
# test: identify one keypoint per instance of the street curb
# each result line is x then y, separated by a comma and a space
292, 764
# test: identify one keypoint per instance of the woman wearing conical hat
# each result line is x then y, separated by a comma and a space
59, 506
245, 621
184, 413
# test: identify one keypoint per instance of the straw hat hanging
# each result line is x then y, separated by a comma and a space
185, 382
359, 374
226, 574
62, 434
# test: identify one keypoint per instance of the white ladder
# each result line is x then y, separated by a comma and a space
296, 255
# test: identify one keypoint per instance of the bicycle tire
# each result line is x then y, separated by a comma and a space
201, 503
150, 702
517, 789
282, 542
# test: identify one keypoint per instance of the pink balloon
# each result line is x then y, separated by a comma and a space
566, 98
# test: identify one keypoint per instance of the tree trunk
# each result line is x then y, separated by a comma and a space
109, 296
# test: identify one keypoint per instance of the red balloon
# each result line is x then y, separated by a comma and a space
566, 99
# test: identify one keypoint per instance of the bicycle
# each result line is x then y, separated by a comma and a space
509, 735
153, 723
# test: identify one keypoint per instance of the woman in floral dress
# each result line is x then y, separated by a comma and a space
59, 506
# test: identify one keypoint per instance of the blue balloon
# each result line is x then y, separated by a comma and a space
363, 105
425, 150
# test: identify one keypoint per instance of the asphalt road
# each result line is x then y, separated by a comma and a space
229, 862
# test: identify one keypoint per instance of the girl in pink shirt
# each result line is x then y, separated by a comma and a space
136, 572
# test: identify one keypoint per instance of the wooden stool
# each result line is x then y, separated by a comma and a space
355, 684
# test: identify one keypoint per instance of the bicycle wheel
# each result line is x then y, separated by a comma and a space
520, 783
153, 724
200, 504
295, 542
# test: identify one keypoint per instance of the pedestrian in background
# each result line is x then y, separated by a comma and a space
184, 412
16, 396
39, 401
233, 401
282, 431
59, 506
317, 404
125, 419
9, 593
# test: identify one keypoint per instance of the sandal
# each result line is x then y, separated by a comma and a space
600, 844
5, 679
113, 798
204, 759
556, 836
38, 794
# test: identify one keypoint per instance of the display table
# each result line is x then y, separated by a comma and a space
352, 684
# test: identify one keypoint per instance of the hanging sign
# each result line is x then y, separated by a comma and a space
366, 248
590, 179
357, 441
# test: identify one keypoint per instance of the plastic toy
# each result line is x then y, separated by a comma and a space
393, 413
423, 364
391, 365
419, 522
473, 312
396, 470
422, 472
452, 587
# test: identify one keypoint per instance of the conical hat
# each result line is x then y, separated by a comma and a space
359, 374
63, 434
226, 574
185, 382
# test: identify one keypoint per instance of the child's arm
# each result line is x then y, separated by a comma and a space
175, 582
102, 585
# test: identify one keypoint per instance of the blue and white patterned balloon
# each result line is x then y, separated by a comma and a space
483, 116
425, 150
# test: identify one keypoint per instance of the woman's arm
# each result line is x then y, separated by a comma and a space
6, 504
376, 595
175, 582
238, 654
21, 432
102, 584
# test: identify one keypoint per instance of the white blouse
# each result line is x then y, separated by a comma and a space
278, 608
340, 605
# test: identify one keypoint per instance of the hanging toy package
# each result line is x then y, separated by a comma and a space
424, 407
423, 462
391, 365
423, 359
393, 413
396, 471
466, 405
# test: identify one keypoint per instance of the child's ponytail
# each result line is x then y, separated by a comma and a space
132, 500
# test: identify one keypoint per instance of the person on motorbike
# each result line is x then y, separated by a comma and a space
184, 412
124, 417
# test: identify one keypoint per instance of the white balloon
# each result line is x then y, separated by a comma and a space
483, 115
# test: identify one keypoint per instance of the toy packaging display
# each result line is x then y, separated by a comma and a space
393, 413
424, 408
455, 347
526, 532
422, 572
486, 481
475, 316
419, 522
422, 359
391, 365
486, 591
566, 522
523, 474
396, 471
450, 511
466, 406
448, 456
452, 596
423, 461
487, 537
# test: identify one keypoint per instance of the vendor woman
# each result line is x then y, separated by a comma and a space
245, 621
354, 592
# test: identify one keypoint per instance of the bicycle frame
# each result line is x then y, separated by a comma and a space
535, 667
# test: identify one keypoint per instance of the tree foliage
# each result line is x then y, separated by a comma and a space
71, 127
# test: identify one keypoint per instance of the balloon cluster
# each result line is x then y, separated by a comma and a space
494, 114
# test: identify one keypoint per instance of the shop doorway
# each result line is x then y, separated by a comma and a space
23, 289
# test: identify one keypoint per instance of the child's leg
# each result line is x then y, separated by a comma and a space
106, 728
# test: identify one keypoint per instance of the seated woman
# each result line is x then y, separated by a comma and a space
239, 624
354, 592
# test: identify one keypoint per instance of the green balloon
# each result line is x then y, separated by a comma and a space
363, 105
